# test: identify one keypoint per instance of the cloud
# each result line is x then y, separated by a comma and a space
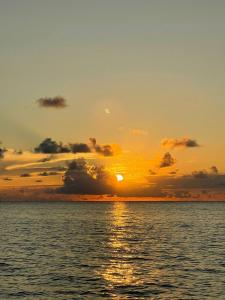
105, 150
107, 111
2, 152
31, 160
25, 175
45, 174
205, 174
152, 173
200, 174
55, 102
83, 178
173, 173
80, 148
46, 159
178, 143
214, 170
167, 161
199, 179
49, 146
138, 132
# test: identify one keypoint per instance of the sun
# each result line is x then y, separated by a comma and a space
119, 177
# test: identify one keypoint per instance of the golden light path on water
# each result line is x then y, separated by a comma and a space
120, 270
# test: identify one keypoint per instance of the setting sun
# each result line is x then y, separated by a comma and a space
119, 177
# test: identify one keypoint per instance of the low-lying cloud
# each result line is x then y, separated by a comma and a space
201, 174
83, 178
179, 143
55, 102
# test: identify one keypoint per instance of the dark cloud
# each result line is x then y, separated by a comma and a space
167, 161
152, 173
47, 159
206, 179
55, 102
18, 152
173, 172
45, 174
105, 150
93, 142
183, 142
49, 146
52, 173
7, 179
2, 152
82, 178
199, 179
80, 148
25, 175
214, 170
200, 174
205, 174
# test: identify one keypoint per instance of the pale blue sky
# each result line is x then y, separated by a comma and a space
157, 65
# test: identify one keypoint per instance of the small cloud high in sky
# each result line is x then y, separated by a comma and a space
54, 102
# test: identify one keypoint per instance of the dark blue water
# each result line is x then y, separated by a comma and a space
112, 251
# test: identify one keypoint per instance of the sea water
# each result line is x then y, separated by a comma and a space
113, 250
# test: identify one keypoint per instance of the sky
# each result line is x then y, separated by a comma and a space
132, 73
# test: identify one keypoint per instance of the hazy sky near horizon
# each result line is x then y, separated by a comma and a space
157, 66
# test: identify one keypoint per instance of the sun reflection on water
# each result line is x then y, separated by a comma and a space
120, 271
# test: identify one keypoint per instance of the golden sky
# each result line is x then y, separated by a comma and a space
130, 73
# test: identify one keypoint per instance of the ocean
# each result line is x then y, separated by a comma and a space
113, 250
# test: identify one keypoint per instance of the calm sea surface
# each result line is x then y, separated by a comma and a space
110, 250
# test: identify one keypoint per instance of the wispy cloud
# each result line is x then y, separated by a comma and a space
51, 152
179, 143
107, 111
33, 161
138, 132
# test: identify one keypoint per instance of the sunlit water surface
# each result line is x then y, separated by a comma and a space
112, 251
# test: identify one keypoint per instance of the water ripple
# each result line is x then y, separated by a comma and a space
57, 251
